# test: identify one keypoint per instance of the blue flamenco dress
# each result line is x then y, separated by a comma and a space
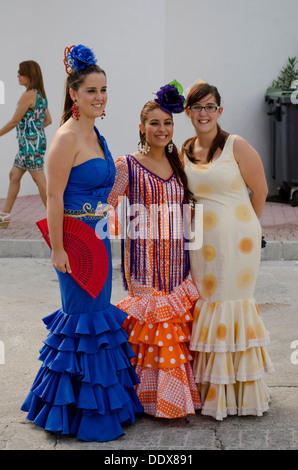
85, 386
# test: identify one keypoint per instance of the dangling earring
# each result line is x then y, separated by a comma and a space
103, 114
75, 111
170, 147
143, 147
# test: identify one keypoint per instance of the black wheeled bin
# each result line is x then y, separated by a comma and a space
283, 112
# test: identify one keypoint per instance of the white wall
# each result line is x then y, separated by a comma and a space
127, 38
238, 45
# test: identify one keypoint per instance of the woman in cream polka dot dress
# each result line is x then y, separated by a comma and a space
228, 335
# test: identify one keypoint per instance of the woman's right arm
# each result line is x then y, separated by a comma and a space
23, 105
121, 183
60, 160
252, 171
119, 190
47, 118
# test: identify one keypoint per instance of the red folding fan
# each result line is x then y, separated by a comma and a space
88, 257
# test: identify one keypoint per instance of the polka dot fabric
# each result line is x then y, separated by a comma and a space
159, 317
228, 337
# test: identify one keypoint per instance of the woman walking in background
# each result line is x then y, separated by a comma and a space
30, 119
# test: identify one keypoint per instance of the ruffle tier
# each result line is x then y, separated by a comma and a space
160, 345
229, 367
234, 325
85, 386
241, 398
158, 306
159, 328
168, 392
229, 338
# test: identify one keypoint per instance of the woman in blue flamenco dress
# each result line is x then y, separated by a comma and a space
85, 386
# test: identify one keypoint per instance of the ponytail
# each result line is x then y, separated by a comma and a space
176, 164
67, 105
73, 81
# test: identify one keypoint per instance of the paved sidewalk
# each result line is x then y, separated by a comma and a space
22, 238
30, 291
279, 220
26, 211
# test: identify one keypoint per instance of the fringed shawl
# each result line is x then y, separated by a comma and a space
156, 229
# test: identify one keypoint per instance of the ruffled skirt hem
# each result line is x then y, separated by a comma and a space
160, 307
85, 386
229, 341
168, 392
159, 329
241, 398
234, 325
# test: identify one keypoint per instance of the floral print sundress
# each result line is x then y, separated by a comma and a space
31, 137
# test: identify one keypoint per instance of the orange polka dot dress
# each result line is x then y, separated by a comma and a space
161, 295
228, 335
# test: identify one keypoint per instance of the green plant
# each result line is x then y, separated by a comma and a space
287, 75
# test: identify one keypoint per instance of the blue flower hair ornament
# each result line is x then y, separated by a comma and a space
78, 58
170, 98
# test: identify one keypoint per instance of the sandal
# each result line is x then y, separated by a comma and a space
4, 219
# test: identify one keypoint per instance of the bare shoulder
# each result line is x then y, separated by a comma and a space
28, 97
66, 135
140, 157
136, 155
243, 149
240, 142
30, 93
64, 146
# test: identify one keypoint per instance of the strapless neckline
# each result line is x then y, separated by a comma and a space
90, 160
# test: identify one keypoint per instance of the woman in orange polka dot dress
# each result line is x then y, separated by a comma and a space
161, 295
228, 335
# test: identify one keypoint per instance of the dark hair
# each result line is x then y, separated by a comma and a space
197, 93
74, 81
173, 156
32, 70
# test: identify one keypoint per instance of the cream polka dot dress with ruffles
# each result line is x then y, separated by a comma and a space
228, 334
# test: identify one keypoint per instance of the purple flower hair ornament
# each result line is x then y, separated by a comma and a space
170, 98
78, 58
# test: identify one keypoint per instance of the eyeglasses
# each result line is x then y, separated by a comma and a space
209, 109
